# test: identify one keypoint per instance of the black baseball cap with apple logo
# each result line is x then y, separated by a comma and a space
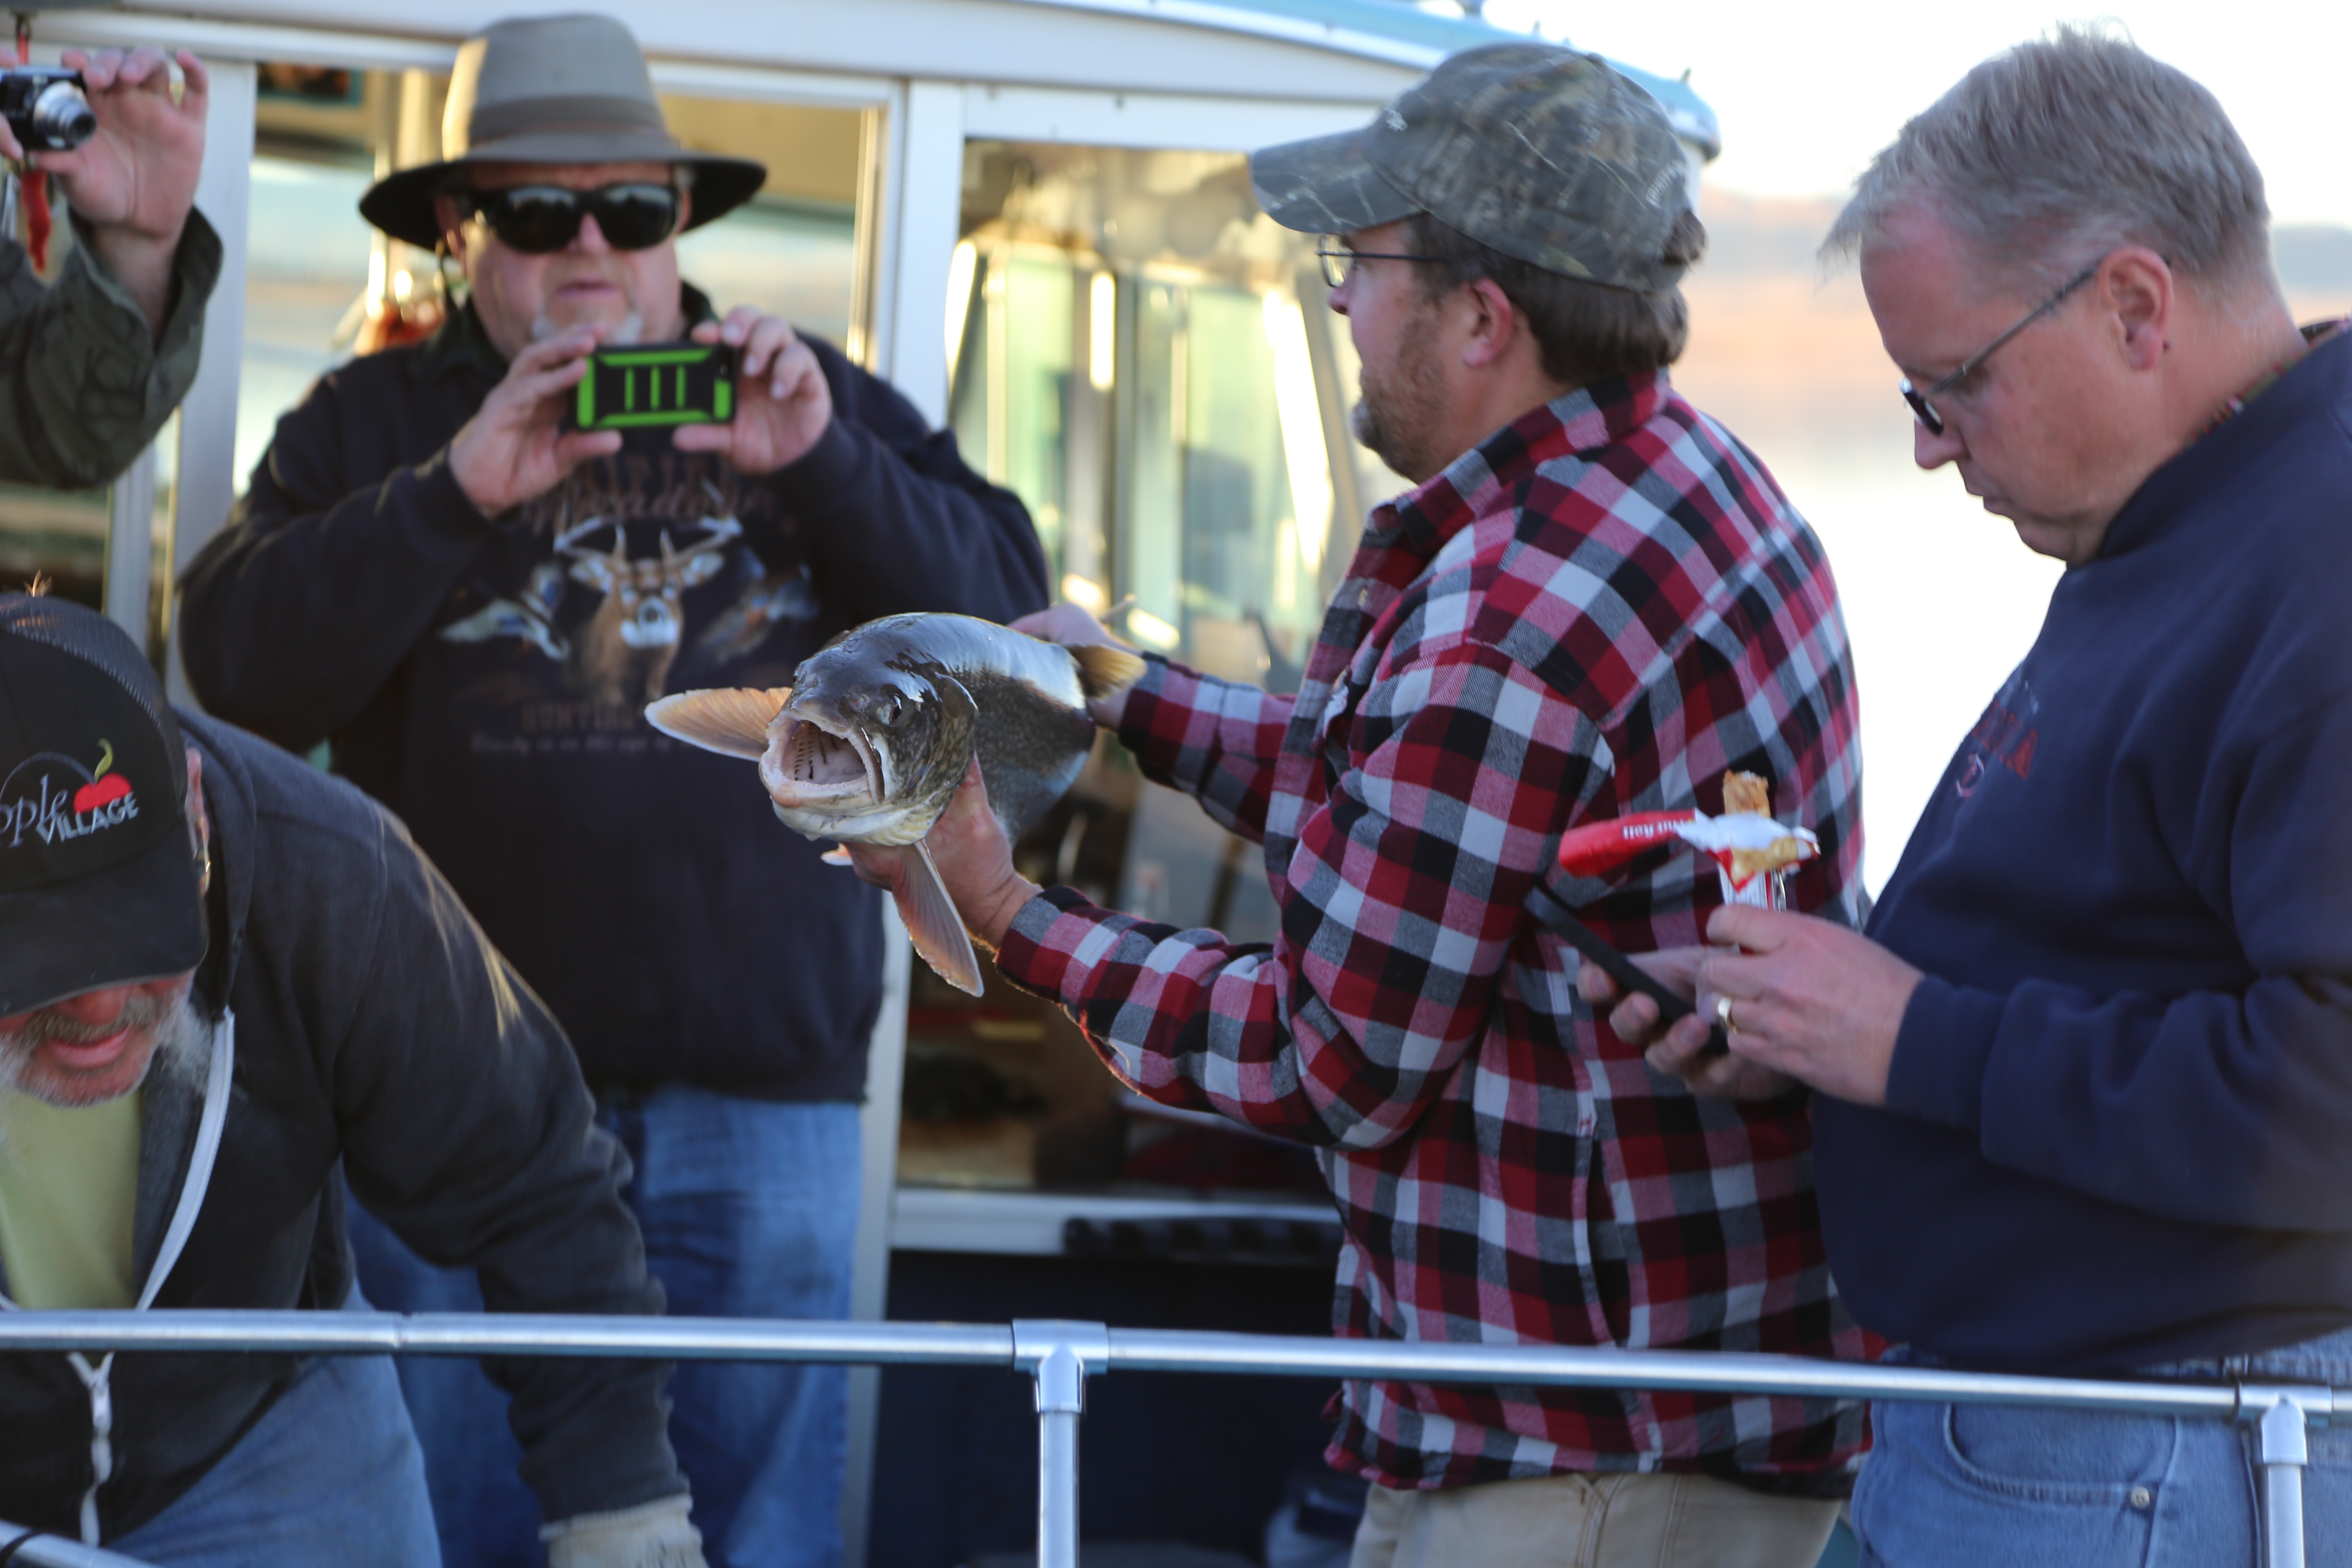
99, 882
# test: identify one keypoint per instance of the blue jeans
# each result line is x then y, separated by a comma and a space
328, 1477
1992, 1487
750, 1210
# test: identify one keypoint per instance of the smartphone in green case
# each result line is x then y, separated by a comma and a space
642, 384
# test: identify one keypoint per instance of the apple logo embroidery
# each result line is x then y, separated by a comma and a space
104, 786
33, 801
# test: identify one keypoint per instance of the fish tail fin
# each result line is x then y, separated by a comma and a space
932, 920
732, 722
1104, 669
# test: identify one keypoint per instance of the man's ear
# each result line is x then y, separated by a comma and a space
2138, 287
1492, 322
199, 824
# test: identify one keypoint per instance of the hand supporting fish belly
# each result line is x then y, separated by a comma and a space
968, 850
880, 726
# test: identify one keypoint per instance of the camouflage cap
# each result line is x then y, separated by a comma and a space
1546, 155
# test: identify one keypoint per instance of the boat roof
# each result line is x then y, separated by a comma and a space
1400, 32
1255, 49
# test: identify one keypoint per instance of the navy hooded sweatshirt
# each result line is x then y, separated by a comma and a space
2119, 1127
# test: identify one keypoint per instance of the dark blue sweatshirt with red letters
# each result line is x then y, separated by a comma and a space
2119, 1127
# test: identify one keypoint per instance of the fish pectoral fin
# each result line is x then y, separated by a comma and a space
732, 721
932, 921
1103, 669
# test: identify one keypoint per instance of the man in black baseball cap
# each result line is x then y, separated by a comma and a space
100, 862
224, 977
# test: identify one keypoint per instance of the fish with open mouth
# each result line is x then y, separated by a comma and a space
878, 727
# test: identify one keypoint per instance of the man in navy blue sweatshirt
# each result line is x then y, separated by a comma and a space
2084, 1089
475, 604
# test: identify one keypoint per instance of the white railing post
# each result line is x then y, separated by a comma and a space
2282, 1419
1059, 1356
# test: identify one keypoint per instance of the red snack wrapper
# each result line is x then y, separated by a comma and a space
1599, 848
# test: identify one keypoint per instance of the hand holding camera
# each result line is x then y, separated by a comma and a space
782, 404
130, 176
519, 444
745, 387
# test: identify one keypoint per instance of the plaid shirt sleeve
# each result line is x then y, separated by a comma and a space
1214, 739
1398, 908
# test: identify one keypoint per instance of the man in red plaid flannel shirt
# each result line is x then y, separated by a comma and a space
1594, 602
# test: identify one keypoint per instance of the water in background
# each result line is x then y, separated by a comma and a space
1941, 598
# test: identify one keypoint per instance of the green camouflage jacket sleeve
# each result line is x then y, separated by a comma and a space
83, 384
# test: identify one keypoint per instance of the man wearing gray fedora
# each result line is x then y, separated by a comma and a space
474, 604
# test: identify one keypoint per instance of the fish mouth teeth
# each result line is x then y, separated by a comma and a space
812, 761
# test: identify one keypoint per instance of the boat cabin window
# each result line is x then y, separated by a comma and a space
1149, 360
1151, 363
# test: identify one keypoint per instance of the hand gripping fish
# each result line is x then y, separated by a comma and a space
869, 742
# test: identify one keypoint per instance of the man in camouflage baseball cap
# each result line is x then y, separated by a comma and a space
1548, 201
1543, 154
1592, 602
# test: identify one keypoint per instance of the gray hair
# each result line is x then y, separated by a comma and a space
2066, 146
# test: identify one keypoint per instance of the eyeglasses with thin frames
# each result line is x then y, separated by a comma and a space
1338, 261
1922, 407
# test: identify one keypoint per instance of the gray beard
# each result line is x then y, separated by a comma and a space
183, 1041
628, 329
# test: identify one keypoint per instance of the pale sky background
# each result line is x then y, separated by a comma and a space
1939, 598
1807, 94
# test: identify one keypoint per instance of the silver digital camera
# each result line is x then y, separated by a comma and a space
45, 108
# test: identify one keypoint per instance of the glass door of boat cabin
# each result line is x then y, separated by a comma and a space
1150, 363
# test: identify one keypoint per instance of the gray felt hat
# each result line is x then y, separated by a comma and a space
1543, 154
551, 89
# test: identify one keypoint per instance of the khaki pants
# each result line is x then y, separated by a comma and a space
1592, 1521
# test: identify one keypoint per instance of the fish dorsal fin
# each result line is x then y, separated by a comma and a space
1103, 669
932, 921
732, 722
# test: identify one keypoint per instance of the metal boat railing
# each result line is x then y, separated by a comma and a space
1060, 1356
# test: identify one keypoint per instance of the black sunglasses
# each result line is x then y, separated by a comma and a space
1924, 411
536, 219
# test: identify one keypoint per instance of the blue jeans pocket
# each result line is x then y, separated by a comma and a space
1984, 1487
